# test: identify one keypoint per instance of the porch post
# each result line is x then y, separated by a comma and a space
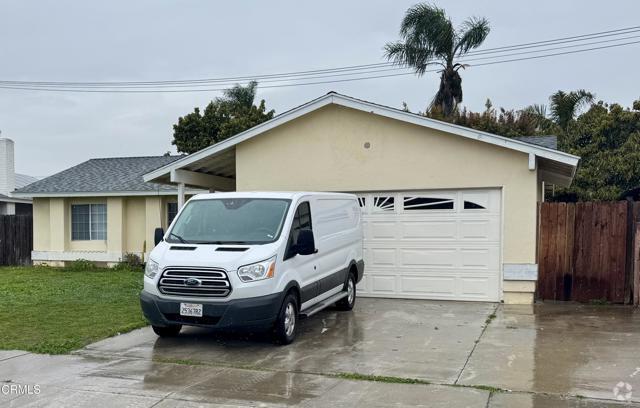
180, 195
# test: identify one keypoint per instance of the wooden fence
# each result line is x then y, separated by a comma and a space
16, 239
586, 252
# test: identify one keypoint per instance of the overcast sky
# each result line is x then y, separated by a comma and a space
167, 40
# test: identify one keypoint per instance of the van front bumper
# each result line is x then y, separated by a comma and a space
259, 311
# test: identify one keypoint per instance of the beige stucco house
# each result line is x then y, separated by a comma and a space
449, 212
99, 210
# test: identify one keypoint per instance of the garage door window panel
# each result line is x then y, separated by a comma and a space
415, 203
470, 205
384, 204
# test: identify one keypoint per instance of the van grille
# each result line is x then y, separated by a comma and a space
194, 281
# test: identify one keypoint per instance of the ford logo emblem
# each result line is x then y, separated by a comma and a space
192, 282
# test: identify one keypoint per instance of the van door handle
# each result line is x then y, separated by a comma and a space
315, 251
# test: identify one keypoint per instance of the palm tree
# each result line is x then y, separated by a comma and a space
429, 38
241, 96
564, 106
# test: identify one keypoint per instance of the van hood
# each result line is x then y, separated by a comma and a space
228, 257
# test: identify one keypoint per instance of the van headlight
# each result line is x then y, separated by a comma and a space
258, 271
151, 269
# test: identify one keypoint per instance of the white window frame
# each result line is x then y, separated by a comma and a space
91, 238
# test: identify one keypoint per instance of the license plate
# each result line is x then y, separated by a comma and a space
191, 309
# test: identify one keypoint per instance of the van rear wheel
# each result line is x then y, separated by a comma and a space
284, 331
347, 302
167, 331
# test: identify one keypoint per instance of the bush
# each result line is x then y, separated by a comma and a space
80, 265
130, 261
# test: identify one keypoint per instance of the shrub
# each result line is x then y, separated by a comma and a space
80, 265
130, 261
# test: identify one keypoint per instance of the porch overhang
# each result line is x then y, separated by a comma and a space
214, 172
555, 172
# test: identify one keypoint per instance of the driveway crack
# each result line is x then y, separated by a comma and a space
475, 344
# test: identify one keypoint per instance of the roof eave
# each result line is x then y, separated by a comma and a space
108, 193
346, 101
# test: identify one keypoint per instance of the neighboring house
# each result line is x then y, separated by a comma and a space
449, 212
10, 181
99, 210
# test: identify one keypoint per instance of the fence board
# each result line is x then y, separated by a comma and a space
583, 252
636, 264
16, 239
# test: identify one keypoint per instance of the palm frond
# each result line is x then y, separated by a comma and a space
427, 35
471, 34
407, 55
536, 110
242, 95
566, 105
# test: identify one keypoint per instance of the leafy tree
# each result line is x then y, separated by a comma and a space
233, 113
565, 106
607, 138
529, 121
429, 38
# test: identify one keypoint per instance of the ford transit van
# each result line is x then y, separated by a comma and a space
259, 259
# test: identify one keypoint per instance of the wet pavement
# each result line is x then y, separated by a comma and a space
551, 355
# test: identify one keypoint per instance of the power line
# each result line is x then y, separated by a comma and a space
353, 69
362, 72
582, 37
347, 70
304, 83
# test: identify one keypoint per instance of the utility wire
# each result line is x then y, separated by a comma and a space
355, 69
304, 83
347, 70
343, 74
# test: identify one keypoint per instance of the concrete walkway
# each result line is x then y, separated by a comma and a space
385, 352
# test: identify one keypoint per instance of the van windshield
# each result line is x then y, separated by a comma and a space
230, 221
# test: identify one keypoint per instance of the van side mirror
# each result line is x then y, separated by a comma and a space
158, 235
306, 244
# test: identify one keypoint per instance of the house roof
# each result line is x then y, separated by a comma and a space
23, 180
550, 141
561, 162
107, 176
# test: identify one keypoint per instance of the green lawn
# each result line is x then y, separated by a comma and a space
51, 310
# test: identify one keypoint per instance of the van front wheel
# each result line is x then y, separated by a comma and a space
287, 323
347, 302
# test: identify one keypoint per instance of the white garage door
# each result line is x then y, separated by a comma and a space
442, 244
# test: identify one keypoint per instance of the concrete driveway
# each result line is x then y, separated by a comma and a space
385, 352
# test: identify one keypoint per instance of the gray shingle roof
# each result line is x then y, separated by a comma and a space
23, 180
103, 176
550, 142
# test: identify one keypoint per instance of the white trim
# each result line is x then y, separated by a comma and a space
201, 179
95, 256
346, 101
180, 195
15, 200
532, 161
112, 193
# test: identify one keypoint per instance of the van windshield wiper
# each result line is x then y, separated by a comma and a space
182, 240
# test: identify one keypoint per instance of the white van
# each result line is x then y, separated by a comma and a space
259, 259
